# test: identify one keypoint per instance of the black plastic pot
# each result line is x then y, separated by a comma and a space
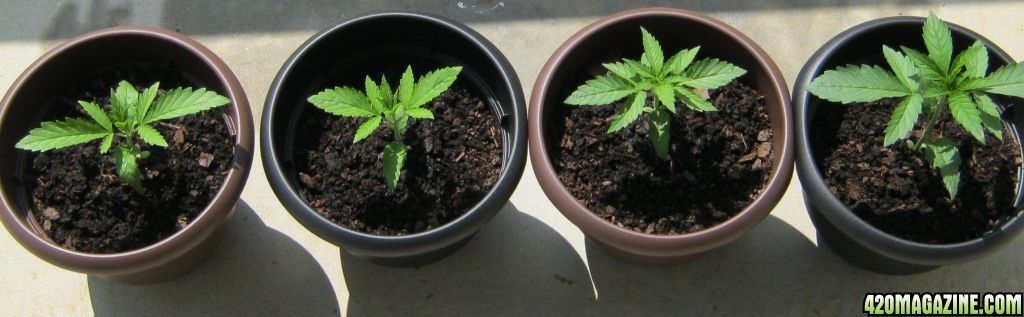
397, 38
855, 240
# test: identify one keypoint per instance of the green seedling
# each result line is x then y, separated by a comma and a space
380, 104
652, 76
130, 114
932, 84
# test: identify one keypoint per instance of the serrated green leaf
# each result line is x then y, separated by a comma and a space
394, 161
902, 66
420, 113
653, 54
387, 96
366, 129
373, 96
967, 114
433, 84
406, 85
678, 63
122, 101
666, 95
711, 73
643, 70
628, 113
145, 100
60, 134
943, 155
96, 113
659, 131
105, 144
128, 167
1007, 80
903, 119
150, 135
620, 69
344, 101
974, 59
927, 68
848, 84
938, 41
693, 101
599, 91
990, 117
183, 101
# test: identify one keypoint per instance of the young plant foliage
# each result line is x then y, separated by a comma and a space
130, 114
931, 84
654, 85
394, 108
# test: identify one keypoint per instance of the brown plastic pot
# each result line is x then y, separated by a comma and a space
677, 29
25, 102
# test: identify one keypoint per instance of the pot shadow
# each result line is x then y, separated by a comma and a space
775, 270
516, 265
254, 271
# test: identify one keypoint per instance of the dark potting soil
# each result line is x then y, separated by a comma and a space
453, 162
82, 204
720, 161
896, 190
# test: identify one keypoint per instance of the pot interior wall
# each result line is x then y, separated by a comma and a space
383, 46
623, 40
866, 48
39, 92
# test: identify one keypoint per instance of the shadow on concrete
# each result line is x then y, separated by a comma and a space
516, 265
774, 270
255, 271
198, 17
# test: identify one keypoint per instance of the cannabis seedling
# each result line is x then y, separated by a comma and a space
653, 76
380, 104
129, 114
934, 84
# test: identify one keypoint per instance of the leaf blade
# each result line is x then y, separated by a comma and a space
433, 84
990, 116
693, 101
943, 155
679, 62
1007, 80
711, 73
151, 136
653, 54
939, 42
601, 90
420, 113
967, 114
849, 84
128, 167
902, 66
903, 119
366, 129
52, 135
665, 94
96, 113
185, 101
344, 101
628, 113
394, 161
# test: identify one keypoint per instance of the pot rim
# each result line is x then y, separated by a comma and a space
175, 244
838, 213
511, 171
603, 230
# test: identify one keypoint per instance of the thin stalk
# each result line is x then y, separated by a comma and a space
933, 117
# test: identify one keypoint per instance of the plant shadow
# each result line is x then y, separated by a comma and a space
516, 265
774, 270
255, 271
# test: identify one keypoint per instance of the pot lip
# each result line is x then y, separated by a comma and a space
838, 213
608, 232
229, 189
508, 178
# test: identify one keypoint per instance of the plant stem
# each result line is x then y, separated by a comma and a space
933, 117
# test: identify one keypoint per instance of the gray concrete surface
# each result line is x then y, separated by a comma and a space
529, 260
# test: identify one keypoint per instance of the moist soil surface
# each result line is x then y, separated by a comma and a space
720, 161
454, 160
895, 189
82, 204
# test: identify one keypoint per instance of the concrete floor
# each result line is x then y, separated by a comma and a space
529, 260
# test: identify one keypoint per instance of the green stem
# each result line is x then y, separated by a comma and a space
933, 117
